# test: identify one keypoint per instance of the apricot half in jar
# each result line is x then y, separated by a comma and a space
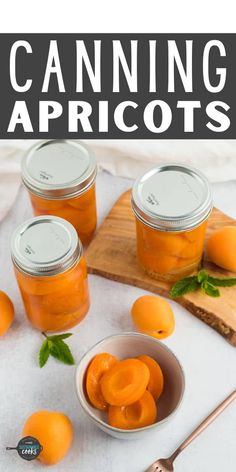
153, 315
168, 243
125, 382
46, 205
161, 263
138, 415
97, 368
47, 285
85, 199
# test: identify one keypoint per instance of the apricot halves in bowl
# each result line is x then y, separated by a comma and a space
141, 413
156, 383
125, 382
100, 364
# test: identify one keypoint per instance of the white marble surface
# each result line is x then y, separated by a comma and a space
209, 364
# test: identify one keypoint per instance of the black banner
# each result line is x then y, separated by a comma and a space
123, 86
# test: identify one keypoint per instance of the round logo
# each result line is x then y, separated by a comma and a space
28, 448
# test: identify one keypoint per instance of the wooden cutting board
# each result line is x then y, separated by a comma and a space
112, 254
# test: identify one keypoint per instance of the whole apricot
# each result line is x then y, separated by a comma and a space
154, 316
221, 248
54, 431
6, 313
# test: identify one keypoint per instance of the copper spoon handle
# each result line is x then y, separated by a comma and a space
220, 408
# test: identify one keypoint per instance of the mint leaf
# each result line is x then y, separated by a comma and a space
44, 353
222, 282
207, 283
62, 352
56, 347
210, 289
57, 337
202, 275
183, 286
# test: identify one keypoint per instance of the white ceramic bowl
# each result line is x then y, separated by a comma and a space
132, 345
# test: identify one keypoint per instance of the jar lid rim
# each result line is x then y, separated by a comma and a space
58, 168
45, 246
172, 197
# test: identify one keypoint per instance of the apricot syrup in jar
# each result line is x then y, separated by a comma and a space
60, 178
51, 273
171, 204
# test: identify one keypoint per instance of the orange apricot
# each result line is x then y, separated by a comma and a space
85, 199
162, 264
57, 302
221, 248
168, 243
46, 320
54, 431
84, 220
79, 211
68, 213
65, 302
196, 234
6, 313
45, 205
125, 382
100, 364
169, 255
156, 383
154, 316
138, 415
43, 285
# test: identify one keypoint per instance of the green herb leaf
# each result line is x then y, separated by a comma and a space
56, 347
62, 352
202, 275
44, 353
210, 289
57, 337
224, 282
183, 286
207, 283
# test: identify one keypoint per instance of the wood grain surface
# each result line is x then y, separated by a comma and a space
112, 254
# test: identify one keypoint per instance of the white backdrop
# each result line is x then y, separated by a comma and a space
208, 360
105, 16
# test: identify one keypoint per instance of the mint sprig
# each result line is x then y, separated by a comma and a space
183, 286
202, 280
222, 282
210, 289
57, 348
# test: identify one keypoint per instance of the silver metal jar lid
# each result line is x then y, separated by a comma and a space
58, 169
172, 198
45, 245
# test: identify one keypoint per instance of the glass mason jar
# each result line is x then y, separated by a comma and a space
171, 204
60, 177
51, 273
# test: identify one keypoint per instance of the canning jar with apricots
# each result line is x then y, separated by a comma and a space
60, 178
172, 204
51, 273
